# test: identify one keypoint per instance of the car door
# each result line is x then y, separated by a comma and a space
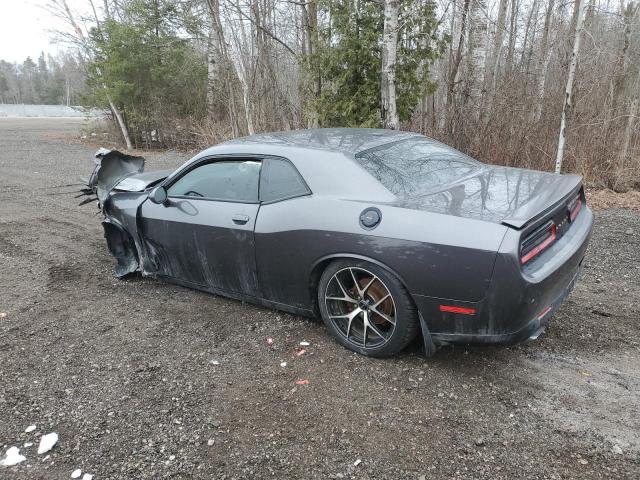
283, 249
203, 234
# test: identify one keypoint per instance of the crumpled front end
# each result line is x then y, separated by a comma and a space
111, 168
120, 231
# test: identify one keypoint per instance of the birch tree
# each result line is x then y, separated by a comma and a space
496, 52
580, 8
544, 57
389, 110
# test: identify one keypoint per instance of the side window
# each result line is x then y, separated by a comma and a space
280, 180
235, 181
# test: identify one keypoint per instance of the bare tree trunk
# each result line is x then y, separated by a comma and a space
543, 63
477, 57
621, 75
513, 32
389, 109
580, 7
312, 32
218, 51
453, 73
243, 74
212, 55
492, 67
529, 39
121, 123
628, 130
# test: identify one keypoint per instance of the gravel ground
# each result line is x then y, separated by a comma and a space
142, 379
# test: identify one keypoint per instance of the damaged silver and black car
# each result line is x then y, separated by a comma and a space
385, 235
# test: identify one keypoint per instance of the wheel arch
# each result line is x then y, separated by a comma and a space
322, 263
122, 246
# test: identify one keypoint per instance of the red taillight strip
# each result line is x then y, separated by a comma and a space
462, 310
576, 209
544, 312
539, 248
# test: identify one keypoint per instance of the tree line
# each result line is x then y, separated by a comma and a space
515, 82
50, 81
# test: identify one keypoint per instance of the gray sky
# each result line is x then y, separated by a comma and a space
25, 28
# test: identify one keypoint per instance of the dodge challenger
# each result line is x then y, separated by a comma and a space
385, 235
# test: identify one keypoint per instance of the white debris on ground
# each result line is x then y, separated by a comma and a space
214, 362
12, 457
28, 444
47, 442
30, 429
76, 473
304, 343
283, 364
357, 462
87, 476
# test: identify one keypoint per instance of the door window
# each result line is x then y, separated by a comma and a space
233, 181
280, 180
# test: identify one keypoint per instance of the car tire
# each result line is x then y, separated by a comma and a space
366, 308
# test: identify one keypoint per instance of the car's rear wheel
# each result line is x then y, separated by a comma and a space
366, 308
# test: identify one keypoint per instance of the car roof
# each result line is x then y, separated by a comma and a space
345, 140
323, 156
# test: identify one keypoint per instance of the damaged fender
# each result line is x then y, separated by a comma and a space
111, 168
122, 247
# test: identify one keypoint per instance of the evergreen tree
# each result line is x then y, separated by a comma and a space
349, 60
147, 69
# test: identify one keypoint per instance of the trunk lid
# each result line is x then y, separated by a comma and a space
514, 197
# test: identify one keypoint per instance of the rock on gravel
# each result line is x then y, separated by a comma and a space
12, 457
47, 442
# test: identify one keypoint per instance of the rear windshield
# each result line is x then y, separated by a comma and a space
415, 166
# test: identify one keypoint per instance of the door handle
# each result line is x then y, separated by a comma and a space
240, 219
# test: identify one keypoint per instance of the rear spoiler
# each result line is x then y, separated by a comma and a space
559, 188
111, 166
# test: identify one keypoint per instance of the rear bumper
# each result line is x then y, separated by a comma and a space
519, 301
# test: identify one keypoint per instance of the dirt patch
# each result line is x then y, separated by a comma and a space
147, 380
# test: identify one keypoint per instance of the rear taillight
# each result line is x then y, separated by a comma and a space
574, 207
454, 309
538, 242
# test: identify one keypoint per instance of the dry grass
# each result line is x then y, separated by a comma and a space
601, 199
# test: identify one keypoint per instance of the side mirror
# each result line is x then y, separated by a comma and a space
158, 195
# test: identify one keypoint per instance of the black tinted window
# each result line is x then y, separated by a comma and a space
223, 180
415, 166
280, 180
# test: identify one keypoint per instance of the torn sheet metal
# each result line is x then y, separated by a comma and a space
111, 168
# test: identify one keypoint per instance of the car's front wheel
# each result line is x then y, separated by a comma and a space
366, 308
